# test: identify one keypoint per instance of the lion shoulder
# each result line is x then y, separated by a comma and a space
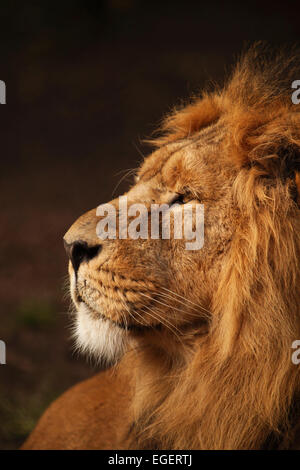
85, 416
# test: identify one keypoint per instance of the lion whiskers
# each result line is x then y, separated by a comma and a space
187, 300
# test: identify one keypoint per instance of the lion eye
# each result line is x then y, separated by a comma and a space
178, 199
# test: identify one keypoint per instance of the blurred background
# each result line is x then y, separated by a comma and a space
86, 82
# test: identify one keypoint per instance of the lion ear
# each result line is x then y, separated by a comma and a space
276, 152
289, 159
289, 168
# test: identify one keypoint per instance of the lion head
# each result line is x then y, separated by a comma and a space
206, 333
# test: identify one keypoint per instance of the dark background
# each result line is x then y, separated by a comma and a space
86, 82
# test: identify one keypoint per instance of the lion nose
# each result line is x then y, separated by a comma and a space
80, 251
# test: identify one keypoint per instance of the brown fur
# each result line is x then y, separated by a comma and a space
220, 377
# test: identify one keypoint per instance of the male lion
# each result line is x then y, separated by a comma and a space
202, 338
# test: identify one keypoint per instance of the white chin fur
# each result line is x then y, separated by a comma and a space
99, 338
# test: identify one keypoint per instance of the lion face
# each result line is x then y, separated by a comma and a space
127, 290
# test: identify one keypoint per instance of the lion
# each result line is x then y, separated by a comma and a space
197, 344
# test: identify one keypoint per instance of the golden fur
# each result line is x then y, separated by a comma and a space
210, 366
